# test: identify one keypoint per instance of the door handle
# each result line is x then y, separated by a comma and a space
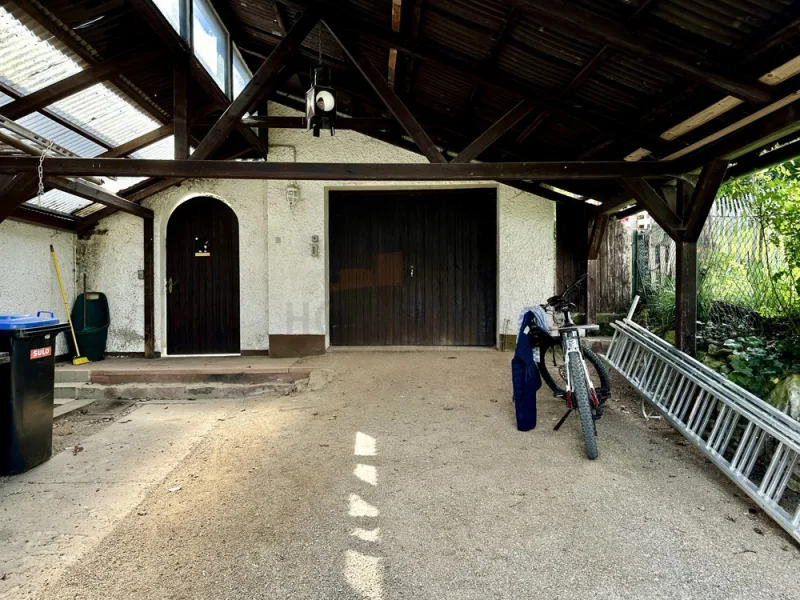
171, 285
411, 271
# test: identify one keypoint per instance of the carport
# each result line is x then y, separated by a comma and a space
625, 106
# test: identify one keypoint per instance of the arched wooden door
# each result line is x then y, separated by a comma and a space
203, 279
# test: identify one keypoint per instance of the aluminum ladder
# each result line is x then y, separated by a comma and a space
754, 444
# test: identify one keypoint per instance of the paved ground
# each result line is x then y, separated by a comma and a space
405, 478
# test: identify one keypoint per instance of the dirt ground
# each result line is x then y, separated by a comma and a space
405, 477
69, 430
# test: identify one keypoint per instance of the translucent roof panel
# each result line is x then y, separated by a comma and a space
160, 150
60, 202
105, 112
47, 128
30, 58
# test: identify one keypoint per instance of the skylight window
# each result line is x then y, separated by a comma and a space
27, 62
210, 42
173, 10
241, 74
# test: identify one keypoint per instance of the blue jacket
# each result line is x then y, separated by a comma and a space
525, 376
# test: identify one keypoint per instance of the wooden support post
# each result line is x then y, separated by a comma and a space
686, 297
595, 242
180, 112
149, 289
592, 269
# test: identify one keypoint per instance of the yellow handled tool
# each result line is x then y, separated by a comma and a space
78, 360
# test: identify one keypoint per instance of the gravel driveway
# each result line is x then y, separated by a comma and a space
404, 477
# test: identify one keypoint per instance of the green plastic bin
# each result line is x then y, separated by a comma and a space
93, 334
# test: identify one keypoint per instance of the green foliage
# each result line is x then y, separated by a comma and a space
773, 196
754, 364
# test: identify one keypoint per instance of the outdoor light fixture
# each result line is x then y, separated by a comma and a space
320, 102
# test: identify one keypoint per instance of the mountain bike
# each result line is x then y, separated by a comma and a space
564, 363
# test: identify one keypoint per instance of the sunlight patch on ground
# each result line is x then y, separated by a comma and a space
363, 573
365, 445
360, 508
367, 474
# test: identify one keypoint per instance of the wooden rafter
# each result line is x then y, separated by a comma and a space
655, 205
153, 136
493, 133
596, 237
75, 83
180, 103
381, 87
8, 91
44, 217
75, 43
220, 169
587, 71
705, 192
257, 88
572, 19
96, 193
177, 47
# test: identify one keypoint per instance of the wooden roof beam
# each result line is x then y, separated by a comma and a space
74, 42
655, 205
478, 73
384, 91
588, 69
178, 47
221, 169
95, 193
491, 135
266, 75
75, 83
572, 19
45, 218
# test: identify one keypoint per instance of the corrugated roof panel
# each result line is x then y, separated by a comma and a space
5, 99
160, 150
29, 58
104, 111
74, 142
60, 202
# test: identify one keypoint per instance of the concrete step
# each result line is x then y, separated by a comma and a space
72, 375
180, 391
59, 410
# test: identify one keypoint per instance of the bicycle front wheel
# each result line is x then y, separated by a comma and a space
580, 397
554, 372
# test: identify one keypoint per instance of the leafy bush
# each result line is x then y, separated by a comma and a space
753, 363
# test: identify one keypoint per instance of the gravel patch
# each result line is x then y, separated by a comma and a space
404, 477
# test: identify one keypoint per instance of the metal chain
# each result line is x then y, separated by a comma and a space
40, 171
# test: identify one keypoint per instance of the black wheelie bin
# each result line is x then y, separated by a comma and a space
26, 389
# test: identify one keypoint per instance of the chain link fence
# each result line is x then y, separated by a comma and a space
740, 284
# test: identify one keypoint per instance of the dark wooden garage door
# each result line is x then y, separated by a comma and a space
413, 267
203, 278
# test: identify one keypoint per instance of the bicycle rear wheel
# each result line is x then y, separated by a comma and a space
580, 397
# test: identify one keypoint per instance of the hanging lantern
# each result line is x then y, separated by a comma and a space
320, 102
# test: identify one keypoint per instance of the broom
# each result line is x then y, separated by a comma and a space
78, 360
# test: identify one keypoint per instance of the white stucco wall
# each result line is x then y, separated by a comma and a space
28, 281
283, 287
114, 255
298, 282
